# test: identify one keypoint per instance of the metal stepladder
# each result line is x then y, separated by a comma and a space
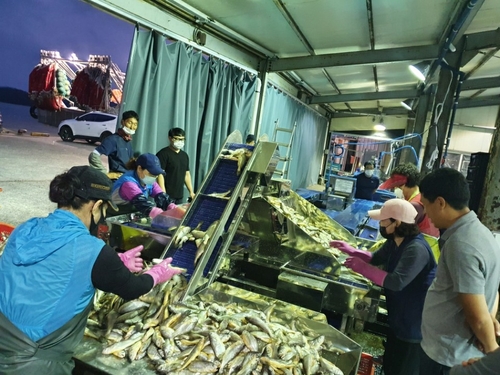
283, 172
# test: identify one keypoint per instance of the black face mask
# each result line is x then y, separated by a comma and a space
94, 225
383, 232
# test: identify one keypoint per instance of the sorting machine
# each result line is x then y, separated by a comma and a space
286, 257
256, 247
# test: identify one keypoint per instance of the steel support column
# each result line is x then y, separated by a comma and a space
263, 75
489, 214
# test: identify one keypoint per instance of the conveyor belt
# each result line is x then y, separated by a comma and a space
227, 211
206, 209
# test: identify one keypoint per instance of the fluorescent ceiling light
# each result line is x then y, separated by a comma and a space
420, 70
379, 127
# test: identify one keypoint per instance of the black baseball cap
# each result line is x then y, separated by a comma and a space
96, 185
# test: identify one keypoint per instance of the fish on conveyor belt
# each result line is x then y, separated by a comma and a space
220, 195
204, 241
241, 155
207, 337
182, 234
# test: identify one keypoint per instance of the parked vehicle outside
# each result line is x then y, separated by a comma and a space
91, 126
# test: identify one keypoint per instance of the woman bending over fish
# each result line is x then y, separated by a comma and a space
50, 270
408, 270
139, 184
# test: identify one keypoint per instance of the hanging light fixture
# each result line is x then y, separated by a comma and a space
408, 104
380, 127
420, 70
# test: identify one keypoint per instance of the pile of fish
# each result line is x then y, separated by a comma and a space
311, 220
201, 238
205, 337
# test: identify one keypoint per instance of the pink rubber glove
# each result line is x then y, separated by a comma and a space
155, 211
171, 206
132, 259
163, 272
351, 251
367, 270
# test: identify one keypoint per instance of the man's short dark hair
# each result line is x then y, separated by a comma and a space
130, 114
176, 132
448, 184
369, 163
411, 173
250, 138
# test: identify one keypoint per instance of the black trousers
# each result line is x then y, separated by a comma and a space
430, 367
401, 357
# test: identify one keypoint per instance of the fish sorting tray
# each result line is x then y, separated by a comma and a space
337, 348
344, 352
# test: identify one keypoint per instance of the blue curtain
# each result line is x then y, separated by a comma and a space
171, 85
309, 139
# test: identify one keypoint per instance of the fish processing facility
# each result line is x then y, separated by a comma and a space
332, 97
260, 278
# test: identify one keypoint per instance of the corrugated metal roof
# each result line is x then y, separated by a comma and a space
355, 31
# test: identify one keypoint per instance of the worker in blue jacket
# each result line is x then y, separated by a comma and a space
117, 147
50, 269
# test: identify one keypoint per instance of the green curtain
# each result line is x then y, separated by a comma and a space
228, 108
309, 139
171, 85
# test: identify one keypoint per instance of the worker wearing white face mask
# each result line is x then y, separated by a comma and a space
175, 162
138, 186
117, 147
366, 183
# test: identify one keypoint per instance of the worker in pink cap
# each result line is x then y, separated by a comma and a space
405, 267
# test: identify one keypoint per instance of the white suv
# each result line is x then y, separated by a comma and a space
91, 126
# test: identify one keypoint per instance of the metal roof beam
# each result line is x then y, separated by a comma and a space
399, 111
474, 7
487, 101
481, 83
379, 56
483, 40
381, 95
359, 112
296, 29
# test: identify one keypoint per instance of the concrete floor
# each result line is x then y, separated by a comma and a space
28, 164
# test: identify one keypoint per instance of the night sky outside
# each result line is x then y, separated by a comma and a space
67, 26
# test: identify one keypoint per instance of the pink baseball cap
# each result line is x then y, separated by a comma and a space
395, 181
397, 209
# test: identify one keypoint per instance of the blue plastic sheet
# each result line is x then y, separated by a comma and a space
355, 214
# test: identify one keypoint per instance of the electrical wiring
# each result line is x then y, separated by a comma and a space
437, 114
